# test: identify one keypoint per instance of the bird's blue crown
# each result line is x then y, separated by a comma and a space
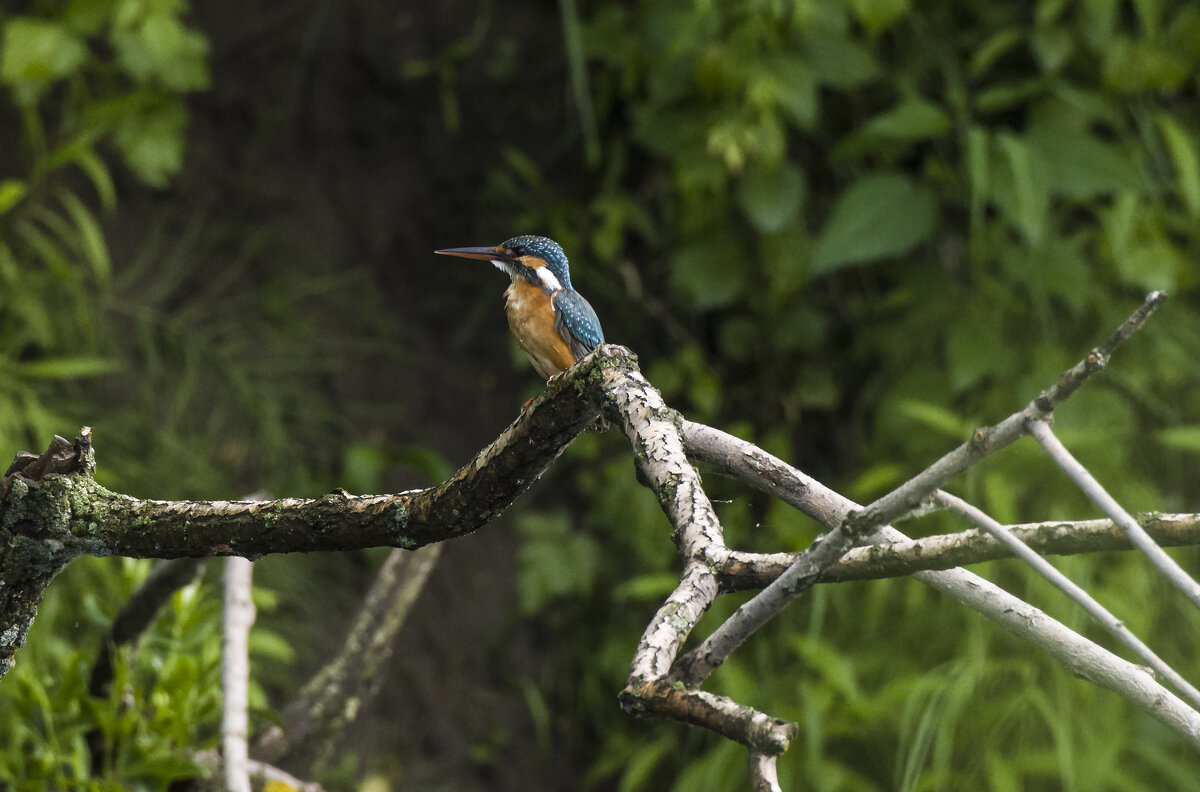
547, 250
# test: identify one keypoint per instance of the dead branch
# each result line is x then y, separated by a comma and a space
316, 720
1098, 612
235, 674
51, 511
945, 551
856, 524
1087, 483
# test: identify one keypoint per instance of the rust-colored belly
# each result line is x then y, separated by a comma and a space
531, 318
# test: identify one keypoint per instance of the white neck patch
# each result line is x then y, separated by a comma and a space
548, 279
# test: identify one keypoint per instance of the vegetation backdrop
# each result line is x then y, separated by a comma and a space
847, 231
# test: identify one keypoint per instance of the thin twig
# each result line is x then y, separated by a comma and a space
988, 440
856, 525
1099, 496
1078, 595
235, 674
1079, 655
262, 774
744, 570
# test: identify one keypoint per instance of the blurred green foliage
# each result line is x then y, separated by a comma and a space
165, 697
92, 105
80, 80
848, 231
865, 228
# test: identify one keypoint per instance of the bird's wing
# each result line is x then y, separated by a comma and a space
576, 322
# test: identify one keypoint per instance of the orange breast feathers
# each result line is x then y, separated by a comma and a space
531, 318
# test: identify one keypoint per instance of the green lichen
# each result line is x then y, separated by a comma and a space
670, 486
400, 533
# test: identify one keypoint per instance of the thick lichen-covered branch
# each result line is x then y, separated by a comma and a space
52, 510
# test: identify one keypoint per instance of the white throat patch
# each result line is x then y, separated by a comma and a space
505, 267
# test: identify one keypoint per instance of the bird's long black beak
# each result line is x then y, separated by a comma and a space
482, 253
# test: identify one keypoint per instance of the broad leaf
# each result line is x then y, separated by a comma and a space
878, 216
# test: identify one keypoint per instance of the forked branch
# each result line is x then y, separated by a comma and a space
52, 511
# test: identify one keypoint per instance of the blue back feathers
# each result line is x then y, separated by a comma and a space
575, 314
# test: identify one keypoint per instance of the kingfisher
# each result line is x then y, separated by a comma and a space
550, 320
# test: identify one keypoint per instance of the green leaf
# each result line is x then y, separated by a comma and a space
993, 48
974, 350
363, 466
67, 367
771, 197
429, 463
1121, 223
1098, 21
1180, 438
710, 272
1141, 66
797, 89
152, 140
840, 62
1026, 199
11, 193
878, 15
785, 261
80, 152
1183, 155
978, 172
1156, 264
1007, 95
267, 644
555, 560
639, 770
1053, 47
646, 588
911, 119
156, 48
876, 480
91, 238
34, 53
878, 216
934, 417
999, 497
1076, 164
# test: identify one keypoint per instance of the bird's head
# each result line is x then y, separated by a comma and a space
535, 257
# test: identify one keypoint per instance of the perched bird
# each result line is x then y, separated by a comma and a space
551, 321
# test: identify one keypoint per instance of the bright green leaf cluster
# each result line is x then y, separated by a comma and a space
92, 74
